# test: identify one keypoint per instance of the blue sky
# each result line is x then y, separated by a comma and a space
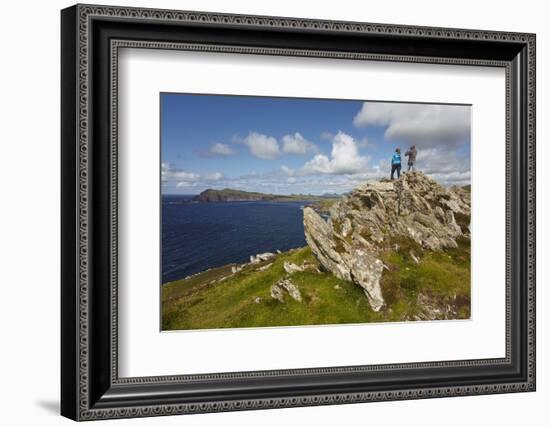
292, 145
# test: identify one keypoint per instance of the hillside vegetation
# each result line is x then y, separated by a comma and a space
220, 299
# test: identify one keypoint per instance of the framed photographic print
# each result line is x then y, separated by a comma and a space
263, 212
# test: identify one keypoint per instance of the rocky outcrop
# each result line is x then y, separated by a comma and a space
285, 286
378, 213
291, 268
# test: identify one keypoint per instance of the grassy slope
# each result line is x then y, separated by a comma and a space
444, 277
204, 302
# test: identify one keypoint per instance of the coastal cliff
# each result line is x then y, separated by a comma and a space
226, 195
387, 251
380, 215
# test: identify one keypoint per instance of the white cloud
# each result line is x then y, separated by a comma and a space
220, 149
440, 132
262, 146
437, 160
425, 125
297, 144
291, 180
185, 176
287, 170
452, 178
268, 148
364, 142
327, 135
345, 158
182, 178
164, 167
170, 174
213, 177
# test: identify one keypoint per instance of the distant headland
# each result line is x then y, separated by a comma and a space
230, 195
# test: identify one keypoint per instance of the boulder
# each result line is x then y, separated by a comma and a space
261, 257
291, 268
283, 286
277, 293
265, 267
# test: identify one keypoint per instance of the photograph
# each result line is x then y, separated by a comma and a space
265, 208
279, 211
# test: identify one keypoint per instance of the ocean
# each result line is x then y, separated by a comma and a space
199, 236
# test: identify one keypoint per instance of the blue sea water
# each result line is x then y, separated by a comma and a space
199, 236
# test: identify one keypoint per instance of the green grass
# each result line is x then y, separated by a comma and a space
203, 301
444, 277
231, 303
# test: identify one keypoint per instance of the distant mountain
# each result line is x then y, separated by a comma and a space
227, 195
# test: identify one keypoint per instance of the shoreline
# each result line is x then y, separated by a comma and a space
239, 265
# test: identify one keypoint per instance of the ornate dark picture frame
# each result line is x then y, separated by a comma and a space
90, 385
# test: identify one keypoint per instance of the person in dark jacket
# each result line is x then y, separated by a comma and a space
396, 163
411, 153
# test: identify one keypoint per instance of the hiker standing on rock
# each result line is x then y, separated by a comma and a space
396, 163
411, 153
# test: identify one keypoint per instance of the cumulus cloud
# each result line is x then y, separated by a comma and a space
297, 144
164, 167
452, 178
364, 142
437, 160
220, 150
287, 170
424, 125
447, 167
262, 146
213, 177
327, 136
269, 148
168, 173
344, 159
183, 178
186, 176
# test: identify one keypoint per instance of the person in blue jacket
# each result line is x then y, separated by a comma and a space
396, 163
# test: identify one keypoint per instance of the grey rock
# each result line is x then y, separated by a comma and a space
283, 286
261, 257
265, 267
277, 293
291, 268
430, 309
414, 258
236, 268
343, 259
